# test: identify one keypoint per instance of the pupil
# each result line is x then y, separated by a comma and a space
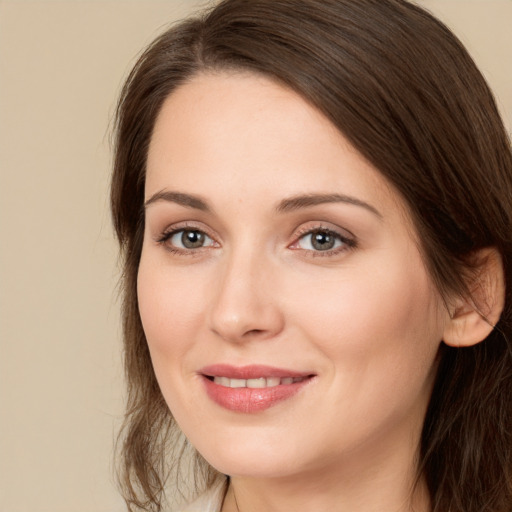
192, 239
322, 241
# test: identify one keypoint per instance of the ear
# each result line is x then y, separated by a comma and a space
473, 318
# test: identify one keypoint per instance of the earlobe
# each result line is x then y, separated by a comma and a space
473, 318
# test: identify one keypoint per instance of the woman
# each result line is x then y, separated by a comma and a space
314, 203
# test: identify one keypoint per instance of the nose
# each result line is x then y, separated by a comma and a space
245, 302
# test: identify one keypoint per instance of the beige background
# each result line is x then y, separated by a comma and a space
61, 65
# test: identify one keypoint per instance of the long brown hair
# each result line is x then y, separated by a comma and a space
399, 85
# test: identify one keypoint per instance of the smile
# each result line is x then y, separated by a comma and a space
252, 389
258, 383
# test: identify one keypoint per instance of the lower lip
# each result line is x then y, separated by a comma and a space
250, 400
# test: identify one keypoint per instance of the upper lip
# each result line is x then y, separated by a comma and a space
253, 371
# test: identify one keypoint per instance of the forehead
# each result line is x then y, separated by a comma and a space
241, 136
230, 114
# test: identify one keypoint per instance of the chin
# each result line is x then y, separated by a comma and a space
256, 457
245, 466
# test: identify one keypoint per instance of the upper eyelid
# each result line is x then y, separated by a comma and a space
171, 232
348, 240
341, 232
184, 226
344, 239
165, 236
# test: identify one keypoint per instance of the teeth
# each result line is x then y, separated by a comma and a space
257, 383
223, 381
261, 382
273, 381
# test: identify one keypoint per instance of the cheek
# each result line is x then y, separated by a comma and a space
381, 325
171, 305
380, 332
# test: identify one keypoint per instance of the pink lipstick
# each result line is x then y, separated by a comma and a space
251, 388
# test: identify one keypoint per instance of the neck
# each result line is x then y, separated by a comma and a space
261, 496
366, 481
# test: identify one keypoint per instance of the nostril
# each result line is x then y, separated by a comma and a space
254, 332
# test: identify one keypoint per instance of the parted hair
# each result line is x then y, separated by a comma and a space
404, 91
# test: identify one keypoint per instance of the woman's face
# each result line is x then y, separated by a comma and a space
291, 322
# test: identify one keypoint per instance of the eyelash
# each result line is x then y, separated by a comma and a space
346, 242
164, 238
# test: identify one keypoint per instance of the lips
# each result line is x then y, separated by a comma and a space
251, 389
258, 383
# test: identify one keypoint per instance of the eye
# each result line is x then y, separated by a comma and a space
186, 239
323, 240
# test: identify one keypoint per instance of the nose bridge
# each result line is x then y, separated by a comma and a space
244, 305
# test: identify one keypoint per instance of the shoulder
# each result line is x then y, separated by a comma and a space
209, 501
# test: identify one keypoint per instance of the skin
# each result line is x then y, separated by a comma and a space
364, 317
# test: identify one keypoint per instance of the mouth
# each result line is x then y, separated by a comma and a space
257, 383
251, 389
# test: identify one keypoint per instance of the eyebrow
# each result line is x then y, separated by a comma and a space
186, 200
307, 200
285, 206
